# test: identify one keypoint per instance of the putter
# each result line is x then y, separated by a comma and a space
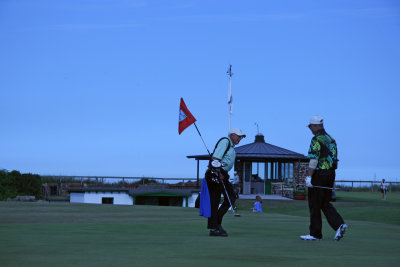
331, 188
233, 210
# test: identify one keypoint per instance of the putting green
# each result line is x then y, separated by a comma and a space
63, 234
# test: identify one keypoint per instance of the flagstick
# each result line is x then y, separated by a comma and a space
202, 139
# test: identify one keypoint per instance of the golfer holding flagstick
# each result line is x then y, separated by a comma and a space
321, 173
217, 177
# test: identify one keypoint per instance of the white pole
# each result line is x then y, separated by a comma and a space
230, 104
230, 94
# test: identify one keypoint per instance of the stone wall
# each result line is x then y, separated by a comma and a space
276, 188
300, 172
281, 189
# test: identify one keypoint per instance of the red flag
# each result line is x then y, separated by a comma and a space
185, 117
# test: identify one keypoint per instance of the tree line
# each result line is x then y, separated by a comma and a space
14, 184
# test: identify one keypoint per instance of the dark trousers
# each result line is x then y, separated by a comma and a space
319, 199
215, 190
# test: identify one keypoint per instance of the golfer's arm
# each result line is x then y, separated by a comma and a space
311, 167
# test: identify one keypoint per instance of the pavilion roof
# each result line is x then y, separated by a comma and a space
260, 150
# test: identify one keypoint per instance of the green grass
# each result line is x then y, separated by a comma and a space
62, 234
364, 206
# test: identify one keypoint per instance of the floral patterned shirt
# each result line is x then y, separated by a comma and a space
323, 148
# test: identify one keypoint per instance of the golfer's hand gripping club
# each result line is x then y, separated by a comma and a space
216, 163
216, 170
308, 181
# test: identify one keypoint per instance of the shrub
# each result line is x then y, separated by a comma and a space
14, 183
300, 190
29, 185
7, 186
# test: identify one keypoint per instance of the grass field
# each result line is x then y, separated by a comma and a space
63, 234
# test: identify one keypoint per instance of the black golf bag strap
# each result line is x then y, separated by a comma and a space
226, 150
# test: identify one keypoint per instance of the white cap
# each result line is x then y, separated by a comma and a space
237, 131
316, 120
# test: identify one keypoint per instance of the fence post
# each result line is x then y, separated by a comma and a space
372, 186
352, 186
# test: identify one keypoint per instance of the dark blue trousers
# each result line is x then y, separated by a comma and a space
215, 190
319, 200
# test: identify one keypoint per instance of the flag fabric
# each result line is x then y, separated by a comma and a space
185, 117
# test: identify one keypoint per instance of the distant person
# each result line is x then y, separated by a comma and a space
258, 204
321, 172
221, 162
383, 189
235, 184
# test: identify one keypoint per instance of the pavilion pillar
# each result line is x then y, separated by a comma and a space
198, 168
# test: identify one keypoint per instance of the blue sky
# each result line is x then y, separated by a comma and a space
93, 87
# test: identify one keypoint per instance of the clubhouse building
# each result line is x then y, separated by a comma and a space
266, 169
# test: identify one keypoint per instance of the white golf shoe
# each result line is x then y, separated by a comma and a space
340, 232
309, 237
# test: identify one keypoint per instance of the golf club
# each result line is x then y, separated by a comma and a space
233, 210
331, 188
